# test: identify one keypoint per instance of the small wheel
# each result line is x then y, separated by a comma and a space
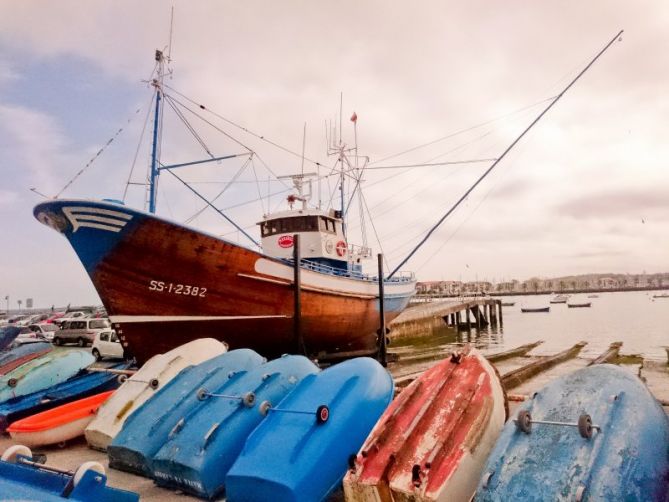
154, 383
322, 414
12, 382
84, 468
201, 394
122, 379
81, 342
96, 354
264, 408
524, 421
249, 399
10, 454
57, 341
585, 426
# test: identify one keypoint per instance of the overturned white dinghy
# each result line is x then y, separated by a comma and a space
141, 386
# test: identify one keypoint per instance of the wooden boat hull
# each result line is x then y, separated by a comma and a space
295, 456
43, 372
579, 305
432, 442
26, 482
17, 356
78, 387
138, 388
149, 427
197, 285
527, 310
199, 454
58, 424
625, 460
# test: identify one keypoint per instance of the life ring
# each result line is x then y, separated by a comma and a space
341, 248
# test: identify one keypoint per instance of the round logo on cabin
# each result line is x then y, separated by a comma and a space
286, 241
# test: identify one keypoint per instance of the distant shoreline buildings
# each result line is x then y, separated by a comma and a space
536, 285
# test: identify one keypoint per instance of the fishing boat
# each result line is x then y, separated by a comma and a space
302, 450
149, 427
43, 372
59, 424
581, 304
508, 304
205, 442
535, 309
79, 386
23, 478
432, 442
559, 299
15, 356
595, 434
141, 386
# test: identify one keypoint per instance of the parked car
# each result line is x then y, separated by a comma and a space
107, 344
45, 330
80, 331
27, 335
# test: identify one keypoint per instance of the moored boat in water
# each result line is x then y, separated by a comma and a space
535, 309
141, 386
148, 428
433, 440
59, 424
559, 299
595, 434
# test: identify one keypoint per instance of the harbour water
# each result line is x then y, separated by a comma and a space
635, 318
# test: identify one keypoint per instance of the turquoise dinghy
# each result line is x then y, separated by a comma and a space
43, 372
148, 428
205, 443
301, 450
608, 440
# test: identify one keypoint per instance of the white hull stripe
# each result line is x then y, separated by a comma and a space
93, 217
172, 318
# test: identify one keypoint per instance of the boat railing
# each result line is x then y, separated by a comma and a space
402, 276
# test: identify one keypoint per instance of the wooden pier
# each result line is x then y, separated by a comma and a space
462, 313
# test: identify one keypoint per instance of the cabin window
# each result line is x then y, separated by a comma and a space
289, 225
327, 225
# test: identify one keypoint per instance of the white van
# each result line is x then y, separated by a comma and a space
107, 344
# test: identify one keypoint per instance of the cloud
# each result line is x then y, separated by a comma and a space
630, 203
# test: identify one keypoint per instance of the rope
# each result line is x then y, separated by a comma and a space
94, 158
139, 146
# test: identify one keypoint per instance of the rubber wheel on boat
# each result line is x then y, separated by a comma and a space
12, 382
154, 383
322, 414
249, 399
84, 468
122, 379
57, 341
10, 454
81, 342
524, 421
264, 408
585, 426
96, 354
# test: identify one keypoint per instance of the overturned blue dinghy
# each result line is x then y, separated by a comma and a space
596, 434
22, 478
301, 450
82, 385
7, 335
43, 372
204, 443
17, 352
148, 428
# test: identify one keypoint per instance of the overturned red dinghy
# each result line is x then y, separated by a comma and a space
433, 440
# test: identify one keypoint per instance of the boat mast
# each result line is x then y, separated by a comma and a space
155, 149
341, 161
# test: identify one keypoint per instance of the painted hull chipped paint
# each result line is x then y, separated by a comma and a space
207, 441
433, 440
141, 386
58, 424
149, 427
198, 285
78, 387
17, 356
626, 459
304, 456
43, 372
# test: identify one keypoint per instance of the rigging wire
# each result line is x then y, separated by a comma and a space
188, 126
97, 154
139, 146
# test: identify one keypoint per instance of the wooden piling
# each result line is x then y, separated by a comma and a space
508, 354
608, 355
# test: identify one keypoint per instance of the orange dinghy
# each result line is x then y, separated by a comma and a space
58, 424
432, 442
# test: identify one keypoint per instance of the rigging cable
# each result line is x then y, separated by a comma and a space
499, 159
139, 146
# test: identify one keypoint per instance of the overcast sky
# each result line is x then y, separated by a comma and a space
586, 191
